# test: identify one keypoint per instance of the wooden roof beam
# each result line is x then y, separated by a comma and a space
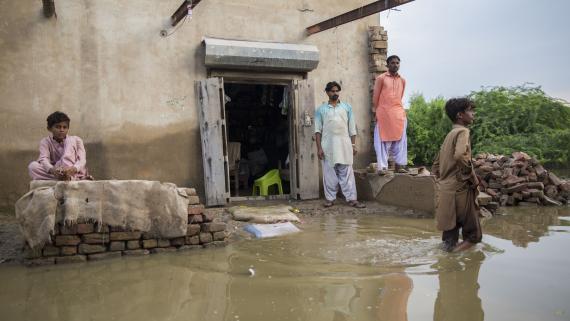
374, 7
182, 11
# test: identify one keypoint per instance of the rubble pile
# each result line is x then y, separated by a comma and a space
519, 180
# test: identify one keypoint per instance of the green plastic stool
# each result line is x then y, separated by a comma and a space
269, 179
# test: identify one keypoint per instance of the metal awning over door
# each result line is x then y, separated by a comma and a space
260, 56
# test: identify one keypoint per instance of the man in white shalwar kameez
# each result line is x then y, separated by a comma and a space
335, 133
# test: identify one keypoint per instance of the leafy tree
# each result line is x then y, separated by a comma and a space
427, 126
520, 118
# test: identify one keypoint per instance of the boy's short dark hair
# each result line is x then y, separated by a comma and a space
332, 84
57, 117
392, 57
456, 105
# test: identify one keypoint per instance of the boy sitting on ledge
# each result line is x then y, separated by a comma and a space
62, 157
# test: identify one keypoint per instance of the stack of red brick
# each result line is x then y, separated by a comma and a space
520, 180
89, 242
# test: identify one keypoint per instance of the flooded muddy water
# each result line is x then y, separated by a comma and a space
341, 267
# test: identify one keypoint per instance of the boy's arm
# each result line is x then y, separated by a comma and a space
462, 153
435, 167
462, 156
44, 158
81, 155
75, 156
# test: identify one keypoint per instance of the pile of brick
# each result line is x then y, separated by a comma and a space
519, 180
89, 242
378, 52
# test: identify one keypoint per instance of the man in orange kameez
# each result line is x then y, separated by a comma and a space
391, 122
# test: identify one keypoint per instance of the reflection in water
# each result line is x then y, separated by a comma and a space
338, 268
458, 297
133, 289
524, 225
394, 298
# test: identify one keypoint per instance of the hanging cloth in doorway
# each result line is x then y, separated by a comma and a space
284, 104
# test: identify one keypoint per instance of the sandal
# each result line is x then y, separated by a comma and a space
401, 169
383, 172
328, 203
356, 204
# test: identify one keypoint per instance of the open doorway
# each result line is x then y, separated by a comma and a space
258, 135
294, 126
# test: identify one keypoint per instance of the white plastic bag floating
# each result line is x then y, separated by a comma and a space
271, 230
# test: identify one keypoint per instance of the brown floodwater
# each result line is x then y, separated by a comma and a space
341, 267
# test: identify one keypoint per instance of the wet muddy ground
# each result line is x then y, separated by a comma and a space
377, 264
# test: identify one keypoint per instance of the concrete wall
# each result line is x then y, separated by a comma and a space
130, 92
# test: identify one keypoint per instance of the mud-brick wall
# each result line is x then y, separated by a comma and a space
130, 91
90, 242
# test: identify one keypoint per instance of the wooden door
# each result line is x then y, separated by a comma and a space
303, 151
211, 101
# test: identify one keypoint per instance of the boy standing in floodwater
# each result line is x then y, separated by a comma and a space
62, 157
457, 206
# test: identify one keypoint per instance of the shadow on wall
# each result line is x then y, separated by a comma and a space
175, 157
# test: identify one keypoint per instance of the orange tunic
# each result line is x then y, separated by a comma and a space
390, 113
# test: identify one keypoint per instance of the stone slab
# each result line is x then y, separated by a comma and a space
117, 246
133, 245
195, 209
124, 236
104, 256
70, 259
139, 252
40, 261
213, 227
189, 247
91, 248
61, 240
95, 238
50, 250
68, 250
163, 250
193, 229
149, 244
206, 238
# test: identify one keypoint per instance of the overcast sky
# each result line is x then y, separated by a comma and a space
451, 47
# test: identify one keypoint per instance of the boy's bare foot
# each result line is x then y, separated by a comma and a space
465, 245
448, 246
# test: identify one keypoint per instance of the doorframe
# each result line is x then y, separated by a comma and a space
272, 78
265, 78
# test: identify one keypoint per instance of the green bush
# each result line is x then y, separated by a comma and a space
507, 119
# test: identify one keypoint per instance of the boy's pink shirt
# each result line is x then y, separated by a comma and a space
70, 152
